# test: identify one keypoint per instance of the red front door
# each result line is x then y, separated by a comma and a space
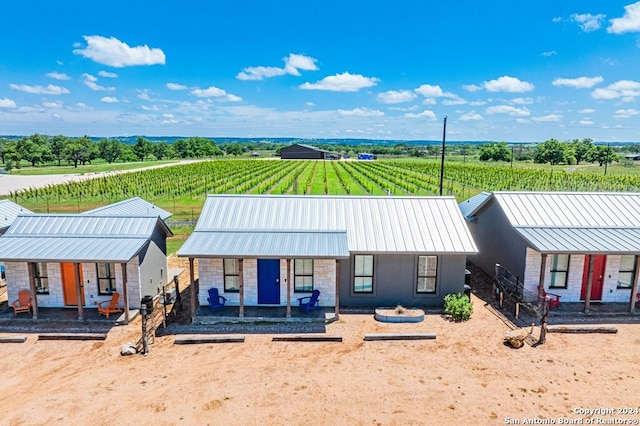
597, 279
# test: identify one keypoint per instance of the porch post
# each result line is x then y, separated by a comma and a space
193, 295
241, 278
32, 289
634, 286
125, 292
76, 266
337, 307
288, 288
543, 270
587, 295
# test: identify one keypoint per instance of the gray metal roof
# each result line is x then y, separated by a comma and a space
78, 237
468, 206
9, 211
131, 207
330, 244
578, 222
372, 224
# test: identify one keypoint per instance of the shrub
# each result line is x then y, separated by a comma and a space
458, 306
400, 309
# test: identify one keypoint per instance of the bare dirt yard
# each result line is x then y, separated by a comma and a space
467, 375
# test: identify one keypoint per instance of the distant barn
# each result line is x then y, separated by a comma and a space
303, 152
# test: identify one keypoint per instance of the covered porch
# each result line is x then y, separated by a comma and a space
266, 314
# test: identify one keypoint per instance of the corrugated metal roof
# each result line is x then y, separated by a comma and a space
77, 237
135, 206
582, 240
591, 209
69, 249
9, 211
373, 224
470, 205
330, 244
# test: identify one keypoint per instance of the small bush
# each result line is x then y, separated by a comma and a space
458, 306
400, 309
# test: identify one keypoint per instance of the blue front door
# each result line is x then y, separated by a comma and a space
269, 281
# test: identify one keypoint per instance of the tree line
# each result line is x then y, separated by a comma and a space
40, 149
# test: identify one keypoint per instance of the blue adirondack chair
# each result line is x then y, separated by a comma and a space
309, 302
215, 300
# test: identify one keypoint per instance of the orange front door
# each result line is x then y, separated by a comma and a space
597, 279
69, 284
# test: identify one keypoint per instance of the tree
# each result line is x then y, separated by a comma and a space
142, 148
34, 149
80, 150
581, 148
162, 149
57, 145
495, 151
232, 149
553, 152
601, 154
109, 149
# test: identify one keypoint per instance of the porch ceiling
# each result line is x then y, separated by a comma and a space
258, 243
69, 249
582, 240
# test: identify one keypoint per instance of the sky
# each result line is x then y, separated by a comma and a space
504, 70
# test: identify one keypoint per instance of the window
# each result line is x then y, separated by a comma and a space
106, 273
231, 274
427, 270
302, 275
41, 277
627, 271
363, 273
559, 271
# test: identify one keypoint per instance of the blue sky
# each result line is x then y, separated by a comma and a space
502, 70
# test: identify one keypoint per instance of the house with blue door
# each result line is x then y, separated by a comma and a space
268, 250
582, 246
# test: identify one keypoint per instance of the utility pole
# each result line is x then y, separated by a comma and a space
444, 134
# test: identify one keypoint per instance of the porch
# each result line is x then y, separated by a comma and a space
62, 315
262, 314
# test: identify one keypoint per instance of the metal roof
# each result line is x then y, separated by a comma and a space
468, 206
330, 244
132, 207
372, 224
573, 222
9, 211
582, 240
78, 237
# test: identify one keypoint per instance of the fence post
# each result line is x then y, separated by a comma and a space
543, 323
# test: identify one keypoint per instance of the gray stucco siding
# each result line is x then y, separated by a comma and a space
395, 281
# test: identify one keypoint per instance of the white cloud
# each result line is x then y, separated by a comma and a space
109, 100
549, 53
144, 95
344, 82
107, 74
115, 53
215, 92
508, 84
430, 91
548, 118
471, 115
51, 104
7, 103
578, 83
292, 64
585, 122
58, 76
454, 101
587, 21
90, 82
361, 112
150, 108
508, 109
472, 87
587, 111
424, 114
176, 86
626, 113
40, 90
477, 103
522, 101
396, 96
630, 22
80, 106
626, 90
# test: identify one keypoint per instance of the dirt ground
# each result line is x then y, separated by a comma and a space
467, 375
